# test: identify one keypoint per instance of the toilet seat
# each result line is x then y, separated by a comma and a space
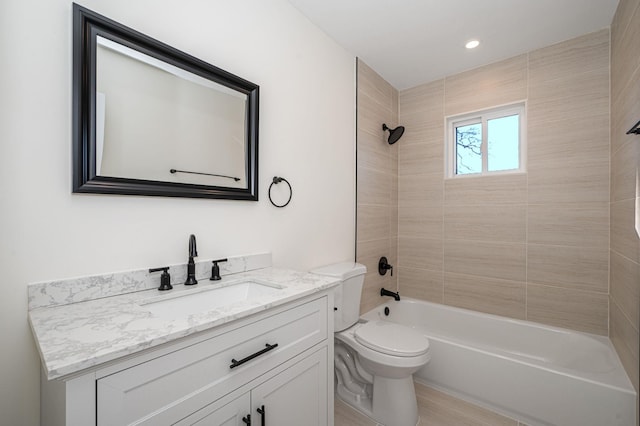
391, 339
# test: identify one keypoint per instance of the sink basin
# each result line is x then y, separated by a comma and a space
204, 300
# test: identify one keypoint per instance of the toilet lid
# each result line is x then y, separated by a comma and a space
392, 339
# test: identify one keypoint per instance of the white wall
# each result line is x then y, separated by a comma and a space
306, 135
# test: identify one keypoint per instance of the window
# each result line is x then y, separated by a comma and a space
502, 128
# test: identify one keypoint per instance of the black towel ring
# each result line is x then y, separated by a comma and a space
277, 180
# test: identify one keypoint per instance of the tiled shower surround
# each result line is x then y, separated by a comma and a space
528, 245
555, 244
531, 245
624, 279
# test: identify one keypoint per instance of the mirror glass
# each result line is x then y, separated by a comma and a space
152, 120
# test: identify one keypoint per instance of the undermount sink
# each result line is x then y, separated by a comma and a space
203, 300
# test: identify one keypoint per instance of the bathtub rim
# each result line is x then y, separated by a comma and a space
619, 373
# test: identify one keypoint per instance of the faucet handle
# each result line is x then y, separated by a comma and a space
383, 266
215, 270
165, 278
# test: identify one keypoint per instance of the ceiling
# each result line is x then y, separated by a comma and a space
410, 42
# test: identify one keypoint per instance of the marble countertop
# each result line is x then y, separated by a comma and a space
83, 335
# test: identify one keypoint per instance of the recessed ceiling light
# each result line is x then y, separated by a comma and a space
472, 44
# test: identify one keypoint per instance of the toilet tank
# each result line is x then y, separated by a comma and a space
347, 294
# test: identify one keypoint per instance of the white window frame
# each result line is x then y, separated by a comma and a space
483, 116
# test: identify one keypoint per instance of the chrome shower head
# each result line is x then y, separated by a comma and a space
394, 134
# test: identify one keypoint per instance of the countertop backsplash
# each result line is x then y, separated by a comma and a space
74, 290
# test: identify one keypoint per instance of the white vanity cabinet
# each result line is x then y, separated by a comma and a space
277, 361
293, 397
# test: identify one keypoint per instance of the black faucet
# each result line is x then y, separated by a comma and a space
191, 266
385, 292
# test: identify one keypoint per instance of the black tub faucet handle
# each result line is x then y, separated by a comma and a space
383, 266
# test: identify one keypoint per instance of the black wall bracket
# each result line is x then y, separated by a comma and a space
635, 129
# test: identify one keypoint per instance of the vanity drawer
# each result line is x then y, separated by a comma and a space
167, 389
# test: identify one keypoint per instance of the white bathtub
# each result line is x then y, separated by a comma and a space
538, 374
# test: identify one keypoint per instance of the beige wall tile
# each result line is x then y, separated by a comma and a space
490, 295
568, 139
395, 97
584, 95
624, 62
622, 18
421, 284
420, 220
503, 189
624, 236
623, 344
427, 99
374, 249
393, 218
490, 260
567, 59
625, 171
622, 328
569, 185
370, 298
420, 253
373, 159
374, 144
625, 162
371, 115
373, 222
374, 187
496, 223
569, 308
625, 110
374, 86
421, 158
586, 145
582, 225
581, 268
419, 189
440, 409
420, 128
625, 287
496, 84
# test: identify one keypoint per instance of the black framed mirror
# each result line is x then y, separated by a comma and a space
149, 119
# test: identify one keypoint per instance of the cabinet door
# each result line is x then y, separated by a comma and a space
297, 396
171, 387
226, 412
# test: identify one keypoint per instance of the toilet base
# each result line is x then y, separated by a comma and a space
394, 401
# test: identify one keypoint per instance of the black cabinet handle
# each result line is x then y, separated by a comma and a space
235, 363
247, 420
260, 411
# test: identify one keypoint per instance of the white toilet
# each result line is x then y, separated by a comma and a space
374, 361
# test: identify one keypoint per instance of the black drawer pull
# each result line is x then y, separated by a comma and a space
247, 420
235, 363
263, 414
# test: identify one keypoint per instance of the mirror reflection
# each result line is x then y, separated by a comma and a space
159, 122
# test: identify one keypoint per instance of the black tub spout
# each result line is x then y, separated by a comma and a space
384, 292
